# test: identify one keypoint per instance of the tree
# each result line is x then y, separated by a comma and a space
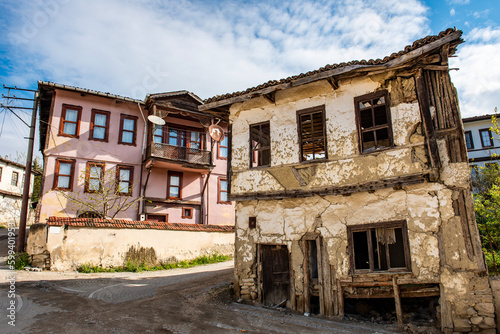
106, 194
486, 185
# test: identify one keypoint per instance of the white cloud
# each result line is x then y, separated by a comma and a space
458, 2
478, 80
452, 12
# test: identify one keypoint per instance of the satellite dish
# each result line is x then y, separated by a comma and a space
216, 132
156, 120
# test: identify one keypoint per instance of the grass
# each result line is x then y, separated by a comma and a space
21, 261
134, 267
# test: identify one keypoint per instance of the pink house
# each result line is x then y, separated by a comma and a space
177, 169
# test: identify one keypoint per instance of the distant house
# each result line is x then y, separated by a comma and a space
12, 175
177, 169
483, 145
352, 191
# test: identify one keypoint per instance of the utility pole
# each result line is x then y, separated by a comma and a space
21, 237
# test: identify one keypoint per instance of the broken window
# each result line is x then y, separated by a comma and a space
379, 247
312, 139
374, 121
486, 137
260, 144
468, 140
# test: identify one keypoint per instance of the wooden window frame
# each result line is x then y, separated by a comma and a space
169, 175
12, 183
190, 216
368, 227
71, 175
370, 96
130, 181
261, 149
157, 214
134, 137
91, 164
219, 190
303, 112
469, 134
219, 146
489, 136
92, 124
186, 135
63, 121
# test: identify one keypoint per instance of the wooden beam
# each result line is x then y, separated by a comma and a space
305, 268
397, 300
333, 82
342, 190
340, 297
271, 97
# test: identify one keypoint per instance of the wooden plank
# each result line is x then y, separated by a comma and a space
305, 267
475, 238
465, 226
327, 279
319, 256
293, 294
259, 273
340, 297
423, 102
397, 300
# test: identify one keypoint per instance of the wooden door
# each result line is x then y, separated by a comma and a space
275, 274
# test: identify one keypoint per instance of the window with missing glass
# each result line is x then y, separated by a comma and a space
99, 125
260, 144
379, 247
312, 134
70, 121
374, 121
94, 177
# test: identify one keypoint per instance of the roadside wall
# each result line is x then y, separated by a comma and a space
111, 245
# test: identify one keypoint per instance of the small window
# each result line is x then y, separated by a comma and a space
158, 133
312, 141
15, 179
99, 125
486, 137
157, 218
70, 121
187, 213
63, 174
222, 193
468, 140
128, 129
94, 177
379, 247
1, 170
174, 184
223, 148
374, 121
260, 144
124, 179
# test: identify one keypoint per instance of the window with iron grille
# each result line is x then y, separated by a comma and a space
312, 134
374, 121
260, 144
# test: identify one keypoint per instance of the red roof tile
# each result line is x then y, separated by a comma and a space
122, 223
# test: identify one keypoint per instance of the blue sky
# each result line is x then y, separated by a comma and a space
132, 48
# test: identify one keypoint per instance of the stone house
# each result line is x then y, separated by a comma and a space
177, 170
352, 190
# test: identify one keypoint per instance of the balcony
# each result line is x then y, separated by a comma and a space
184, 155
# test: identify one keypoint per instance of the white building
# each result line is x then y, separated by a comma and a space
483, 145
12, 176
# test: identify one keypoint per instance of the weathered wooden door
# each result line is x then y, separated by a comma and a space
275, 274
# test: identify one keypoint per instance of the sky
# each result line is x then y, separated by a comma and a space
133, 48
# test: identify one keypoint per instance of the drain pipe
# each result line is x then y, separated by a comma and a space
140, 207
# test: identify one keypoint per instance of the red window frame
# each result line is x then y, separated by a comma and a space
220, 190
88, 176
129, 181
65, 107
93, 126
219, 146
123, 117
71, 174
187, 216
169, 185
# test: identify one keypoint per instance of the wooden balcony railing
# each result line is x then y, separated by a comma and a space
179, 153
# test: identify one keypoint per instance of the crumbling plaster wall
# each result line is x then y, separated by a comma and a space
344, 166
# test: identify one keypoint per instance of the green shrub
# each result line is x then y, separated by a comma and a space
21, 261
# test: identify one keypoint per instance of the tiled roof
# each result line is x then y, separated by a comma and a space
478, 118
417, 44
122, 223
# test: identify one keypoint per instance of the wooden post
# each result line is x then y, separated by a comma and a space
340, 294
307, 295
397, 300
319, 256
